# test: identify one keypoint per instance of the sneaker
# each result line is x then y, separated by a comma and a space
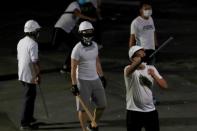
65, 69
90, 128
25, 128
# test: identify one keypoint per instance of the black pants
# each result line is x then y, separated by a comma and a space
152, 60
28, 105
137, 120
67, 40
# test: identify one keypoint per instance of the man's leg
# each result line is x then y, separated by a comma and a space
83, 119
99, 99
98, 112
29, 102
70, 42
85, 93
134, 121
152, 121
57, 38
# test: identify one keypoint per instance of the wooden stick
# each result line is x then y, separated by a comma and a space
87, 111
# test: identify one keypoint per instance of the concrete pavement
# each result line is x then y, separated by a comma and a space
177, 110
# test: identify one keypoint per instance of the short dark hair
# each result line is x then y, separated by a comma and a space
144, 2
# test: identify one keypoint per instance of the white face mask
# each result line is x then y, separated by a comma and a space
147, 13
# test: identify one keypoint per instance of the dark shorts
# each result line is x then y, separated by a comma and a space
138, 120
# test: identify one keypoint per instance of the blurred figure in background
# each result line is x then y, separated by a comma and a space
64, 27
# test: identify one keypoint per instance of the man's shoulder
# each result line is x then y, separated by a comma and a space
136, 21
151, 67
28, 40
94, 44
78, 46
126, 67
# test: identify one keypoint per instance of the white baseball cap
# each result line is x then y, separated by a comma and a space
85, 25
133, 49
31, 26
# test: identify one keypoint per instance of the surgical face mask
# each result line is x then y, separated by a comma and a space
147, 13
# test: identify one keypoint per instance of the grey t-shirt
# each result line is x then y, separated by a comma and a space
86, 56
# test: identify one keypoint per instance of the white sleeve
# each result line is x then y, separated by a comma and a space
156, 72
34, 52
73, 6
75, 53
133, 29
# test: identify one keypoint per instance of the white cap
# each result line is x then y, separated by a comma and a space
133, 49
85, 25
31, 26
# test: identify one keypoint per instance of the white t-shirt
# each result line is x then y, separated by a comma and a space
86, 56
144, 32
27, 53
138, 94
67, 21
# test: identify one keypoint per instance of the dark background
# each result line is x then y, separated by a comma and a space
175, 18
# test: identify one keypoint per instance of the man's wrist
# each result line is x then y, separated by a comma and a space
38, 74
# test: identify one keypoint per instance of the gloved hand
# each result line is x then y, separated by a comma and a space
74, 89
104, 81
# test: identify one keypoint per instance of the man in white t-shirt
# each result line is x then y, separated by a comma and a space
28, 70
139, 78
63, 33
142, 31
85, 72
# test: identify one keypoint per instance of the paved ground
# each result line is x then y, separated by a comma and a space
177, 62
177, 109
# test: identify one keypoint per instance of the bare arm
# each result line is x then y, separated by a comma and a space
36, 66
78, 13
160, 81
98, 67
132, 40
136, 61
74, 64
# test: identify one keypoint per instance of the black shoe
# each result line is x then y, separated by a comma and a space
90, 128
